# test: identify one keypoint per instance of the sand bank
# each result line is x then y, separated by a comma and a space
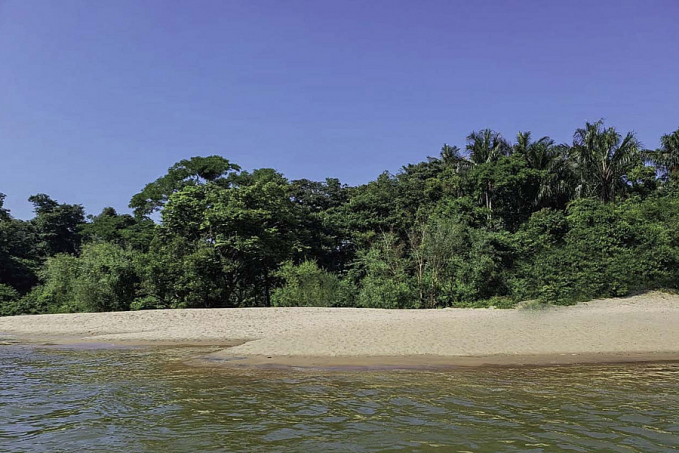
644, 327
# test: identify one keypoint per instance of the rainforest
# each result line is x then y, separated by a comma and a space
490, 223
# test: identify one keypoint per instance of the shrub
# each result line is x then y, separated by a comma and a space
598, 250
103, 278
106, 279
9, 298
307, 285
146, 303
386, 283
386, 292
57, 293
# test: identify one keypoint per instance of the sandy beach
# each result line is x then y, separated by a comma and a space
644, 327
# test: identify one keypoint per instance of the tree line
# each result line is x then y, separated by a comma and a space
493, 223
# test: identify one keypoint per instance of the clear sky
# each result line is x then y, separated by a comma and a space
97, 98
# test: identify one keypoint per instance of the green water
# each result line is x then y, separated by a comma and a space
146, 400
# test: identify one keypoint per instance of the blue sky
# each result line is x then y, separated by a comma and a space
99, 98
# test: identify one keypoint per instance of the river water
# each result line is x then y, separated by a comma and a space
149, 400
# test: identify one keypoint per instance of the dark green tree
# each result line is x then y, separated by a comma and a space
494, 225
320, 233
57, 226
487, 147
121, 229
557, 178
196, 170
19, 257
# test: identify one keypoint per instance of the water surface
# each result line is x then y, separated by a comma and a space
148, 400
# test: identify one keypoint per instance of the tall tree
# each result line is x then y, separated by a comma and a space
487, 147
557, 181
225, 243
57, 225
449, 157
538, 154
121, 229
196, 170
667, 156
603, 157
19, 258
255, 223
320, 235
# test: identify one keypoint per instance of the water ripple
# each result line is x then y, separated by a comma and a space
103, 400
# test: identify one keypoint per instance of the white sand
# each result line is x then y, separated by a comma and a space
645, 326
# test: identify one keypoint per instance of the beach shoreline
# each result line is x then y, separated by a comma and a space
642, 328
423, 362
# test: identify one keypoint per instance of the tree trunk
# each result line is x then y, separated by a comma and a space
489, 201
267, 295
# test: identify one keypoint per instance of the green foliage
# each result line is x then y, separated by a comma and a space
508, 188
146, 303
667, 156
8, 294
387, 283
489, 226
307, 285
121, 229
103, 278
184, 173
602, 158
487, 146
371, 210
106, 278
383, 291
478, 270
221, 246
19, 256
180, 273
57, 225
57, 294
9, 299
599, 250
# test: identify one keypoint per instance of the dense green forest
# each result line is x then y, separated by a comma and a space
491, 224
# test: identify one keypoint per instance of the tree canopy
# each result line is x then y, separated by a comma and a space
491, 224
184, 173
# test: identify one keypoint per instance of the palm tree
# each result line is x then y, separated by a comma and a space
485, 147
560, 182
557, 183
539, 155
449, 156
602, 158
667, 156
